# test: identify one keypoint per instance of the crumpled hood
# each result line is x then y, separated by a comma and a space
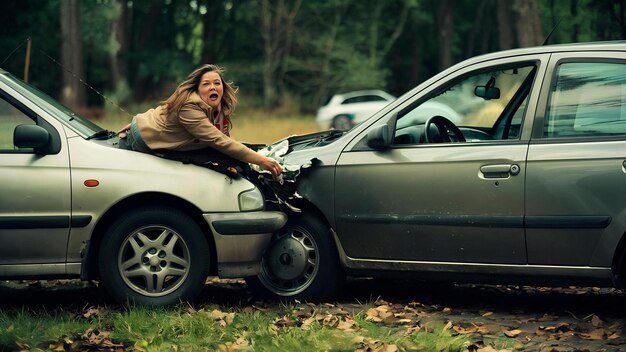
284, 186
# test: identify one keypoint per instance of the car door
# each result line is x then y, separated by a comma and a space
35, 192
576, 172
444, 202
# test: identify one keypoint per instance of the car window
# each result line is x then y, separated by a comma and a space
10, 117
363, 99
486, 105
78, 123
587, 99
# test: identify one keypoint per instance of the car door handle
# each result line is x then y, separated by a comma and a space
499, 170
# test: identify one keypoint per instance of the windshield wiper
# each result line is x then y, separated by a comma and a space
102, 134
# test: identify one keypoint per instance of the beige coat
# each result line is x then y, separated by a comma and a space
188, 129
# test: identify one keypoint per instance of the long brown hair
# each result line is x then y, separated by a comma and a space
191, 84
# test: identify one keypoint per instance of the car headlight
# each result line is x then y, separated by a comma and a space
251, 200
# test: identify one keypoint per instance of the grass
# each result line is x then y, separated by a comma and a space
212, 328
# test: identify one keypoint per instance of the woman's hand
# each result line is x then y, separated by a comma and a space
270, 165
124, 129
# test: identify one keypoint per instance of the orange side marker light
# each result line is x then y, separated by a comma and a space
91, 183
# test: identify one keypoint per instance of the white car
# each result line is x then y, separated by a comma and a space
72, 204
346, 110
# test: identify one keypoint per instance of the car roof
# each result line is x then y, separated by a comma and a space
617, 45
363, 92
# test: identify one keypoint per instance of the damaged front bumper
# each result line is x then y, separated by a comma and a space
283, 189
241, 238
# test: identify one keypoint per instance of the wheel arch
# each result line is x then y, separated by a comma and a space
307, 206
89, 269
618, 266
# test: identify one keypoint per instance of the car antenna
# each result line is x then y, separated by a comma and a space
72, 73
14, 50
545, 42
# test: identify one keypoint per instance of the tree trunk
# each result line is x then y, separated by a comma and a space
73, 92
270, 54
277, 25
573, 8
505, 40
444, 23
120, 40
212, 43
325, 66
146, 37
528, 23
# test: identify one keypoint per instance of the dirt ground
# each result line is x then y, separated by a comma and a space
535, 318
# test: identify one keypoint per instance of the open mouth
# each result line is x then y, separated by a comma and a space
214, 96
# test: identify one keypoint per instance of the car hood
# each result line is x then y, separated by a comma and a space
283, 188
279, 149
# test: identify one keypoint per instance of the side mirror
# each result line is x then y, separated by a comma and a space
379, 138
31, 136
487, 92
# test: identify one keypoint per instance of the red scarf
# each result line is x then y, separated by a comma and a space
222, 123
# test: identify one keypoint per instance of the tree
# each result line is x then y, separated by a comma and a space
73, 91
277, 25
528, 23
505, 40
119, 51
444, 23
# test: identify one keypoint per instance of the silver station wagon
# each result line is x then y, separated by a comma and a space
149, 229
524, 180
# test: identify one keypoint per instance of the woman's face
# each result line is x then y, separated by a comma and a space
211, 89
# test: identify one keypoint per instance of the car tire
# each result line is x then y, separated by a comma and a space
300, 263
342, 123
154, 256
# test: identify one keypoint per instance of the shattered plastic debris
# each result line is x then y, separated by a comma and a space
284, 186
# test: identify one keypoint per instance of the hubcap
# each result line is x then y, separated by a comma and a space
290, 264
154, 261
288, 258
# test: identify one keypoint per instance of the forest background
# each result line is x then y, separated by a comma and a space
283, 54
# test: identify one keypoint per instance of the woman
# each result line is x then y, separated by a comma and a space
195, 116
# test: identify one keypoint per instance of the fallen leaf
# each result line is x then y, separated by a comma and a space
93, 311
596, 321
306, 323
512, 333
240, 343
562, 327
346, 325
58, 346
482, 329
613, 336
372, 315
465, 331
488, 349
224, 319
367, 344
597, 334
285, 321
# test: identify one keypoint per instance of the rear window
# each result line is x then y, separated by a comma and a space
587, 99
363, 99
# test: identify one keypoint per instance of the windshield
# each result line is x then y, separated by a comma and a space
78, 123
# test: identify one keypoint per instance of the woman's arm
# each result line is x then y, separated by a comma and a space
196, 122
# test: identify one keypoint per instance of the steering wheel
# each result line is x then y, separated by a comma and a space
448, 132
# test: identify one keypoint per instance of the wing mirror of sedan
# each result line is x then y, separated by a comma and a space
379, 137
31, 136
